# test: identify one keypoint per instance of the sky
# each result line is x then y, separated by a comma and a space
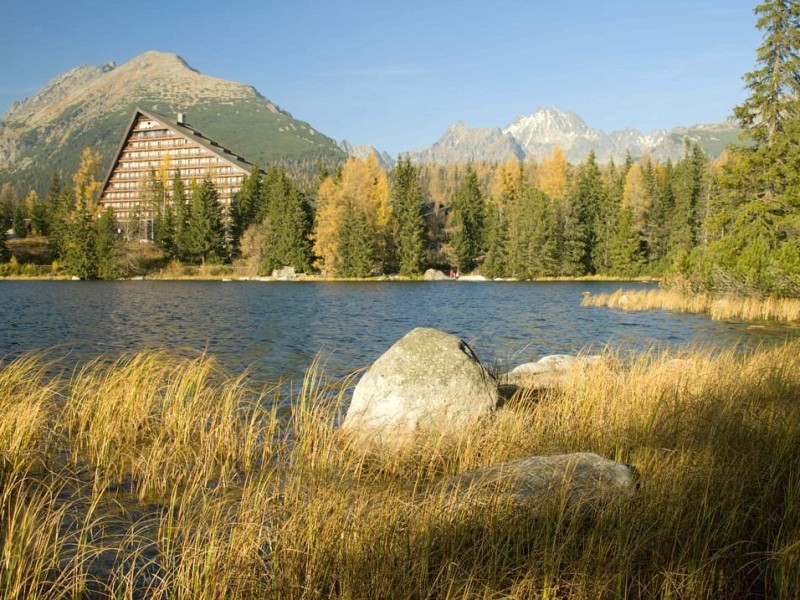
397, 74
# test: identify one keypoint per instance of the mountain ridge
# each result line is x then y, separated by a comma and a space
91, 105
537, 134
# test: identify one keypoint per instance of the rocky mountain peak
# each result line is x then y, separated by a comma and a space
537, 134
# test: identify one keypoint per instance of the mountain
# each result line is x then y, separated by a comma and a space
91, 106
536, 135
362, 151
461, 144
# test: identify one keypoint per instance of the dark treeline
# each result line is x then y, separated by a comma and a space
730, 225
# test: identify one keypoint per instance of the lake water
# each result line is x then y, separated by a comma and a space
276, 329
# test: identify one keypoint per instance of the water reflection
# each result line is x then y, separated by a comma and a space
278, 328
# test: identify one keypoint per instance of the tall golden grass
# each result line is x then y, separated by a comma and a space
719, 308
156, 477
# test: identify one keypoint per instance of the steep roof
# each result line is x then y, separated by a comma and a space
186, 131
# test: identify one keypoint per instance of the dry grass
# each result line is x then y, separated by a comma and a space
153, 477
719, 308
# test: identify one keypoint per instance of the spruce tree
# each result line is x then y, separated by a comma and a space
689, 188
409, 215
182, 211
625, 252
20, 216
63, 204
286, 225
356, 253
468, 218
495, 262
754, 227
544, 239
205, 232
107, 246
247, 207
80, 253
5, 254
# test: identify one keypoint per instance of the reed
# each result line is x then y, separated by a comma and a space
156, 477
718, 308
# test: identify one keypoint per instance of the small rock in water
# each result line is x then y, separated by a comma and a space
550, 371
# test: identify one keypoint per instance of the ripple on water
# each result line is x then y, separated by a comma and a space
278, 329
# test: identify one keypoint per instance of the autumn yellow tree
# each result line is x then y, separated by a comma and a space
636, 197
552, 175
328, 220
86, 183
363, 187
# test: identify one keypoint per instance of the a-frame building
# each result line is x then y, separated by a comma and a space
154, 143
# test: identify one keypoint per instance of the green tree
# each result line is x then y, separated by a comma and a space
774, 85
60, 223
580, 220
107, 246
20, 216
205, 230
754, 224
689, 191
182, 212
356, 253
286, 224
626, 257
5, 254
408, 212
80, 253
247, 207
468, 220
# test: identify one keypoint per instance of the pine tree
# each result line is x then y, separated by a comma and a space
182, 211
20, 217
80, 255
408, 212
689, 187
774, 85
544, 241
355, 250
6, 208
107, 246
39, 213
205, 232
754, 227
5, 254
626, 256
247, 207
60, 224
581, 220
468, 220
286, 225
495, 264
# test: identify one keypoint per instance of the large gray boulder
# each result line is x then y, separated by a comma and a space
434, 275
428, 381
566, 478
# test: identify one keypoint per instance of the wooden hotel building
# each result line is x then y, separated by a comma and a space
153, 142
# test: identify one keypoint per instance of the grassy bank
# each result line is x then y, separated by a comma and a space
719, 308
162, 478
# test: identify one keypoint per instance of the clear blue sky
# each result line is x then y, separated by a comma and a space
396, 74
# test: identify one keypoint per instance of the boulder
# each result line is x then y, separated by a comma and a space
550, 371
574, 479
434, 275
428, 381
284, 274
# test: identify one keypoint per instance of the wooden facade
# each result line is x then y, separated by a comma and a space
157, 144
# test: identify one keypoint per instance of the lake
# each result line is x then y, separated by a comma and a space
277, 328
